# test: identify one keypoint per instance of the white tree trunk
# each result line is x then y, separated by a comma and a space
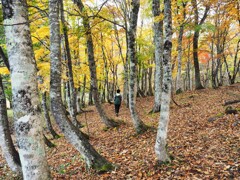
92, 158
138, 124
26, 104
158, 42
161, 140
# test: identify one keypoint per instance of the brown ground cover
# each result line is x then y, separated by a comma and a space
201, 149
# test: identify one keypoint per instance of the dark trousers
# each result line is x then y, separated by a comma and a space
117, 107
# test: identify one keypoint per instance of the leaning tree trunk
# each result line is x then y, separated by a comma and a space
73, 135
92, 66
8, 149
158, 55
138, 124
47, 117
26, 104
6, 143
161, 140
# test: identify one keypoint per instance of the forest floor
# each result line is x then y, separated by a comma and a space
201, 149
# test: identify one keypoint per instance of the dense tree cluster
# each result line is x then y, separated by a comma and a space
75, 53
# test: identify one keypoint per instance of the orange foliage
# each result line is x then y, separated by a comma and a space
204, 56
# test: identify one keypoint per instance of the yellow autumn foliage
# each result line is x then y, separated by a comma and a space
4, 71
41, 33
41, 53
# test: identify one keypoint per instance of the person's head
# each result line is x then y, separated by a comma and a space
118, 91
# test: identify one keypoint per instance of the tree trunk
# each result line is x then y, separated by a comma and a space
126, 63
179, 49
236, 67
158, 55
72, 95
90, 96
198, 84
26, 104
92, 66
106, 69
73, 135
83, 91
4, 58
150, 90
179, 58
8, 149
47, 117
48, 142
161, 140
78, 100
138, 124
125, 86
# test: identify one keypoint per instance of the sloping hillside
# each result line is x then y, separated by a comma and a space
201, 148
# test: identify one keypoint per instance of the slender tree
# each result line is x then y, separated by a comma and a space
72, 90
92, 65
138, 123
10, 153
197, 23
158, 42
236, 67
161, 140
179, 47
47, 117
26, 104
72, 134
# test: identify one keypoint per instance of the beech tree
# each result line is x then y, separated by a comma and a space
131, 33
92, 65
26, 104
92, 158
158, 55
161, 140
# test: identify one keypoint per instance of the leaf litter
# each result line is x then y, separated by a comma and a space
200, 149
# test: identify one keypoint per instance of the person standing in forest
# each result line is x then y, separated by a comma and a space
117, 101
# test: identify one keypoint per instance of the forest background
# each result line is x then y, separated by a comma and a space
204, 54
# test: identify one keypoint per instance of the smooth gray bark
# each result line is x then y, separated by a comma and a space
137, 122
26, 104
161, 139
158, 55
92, 158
